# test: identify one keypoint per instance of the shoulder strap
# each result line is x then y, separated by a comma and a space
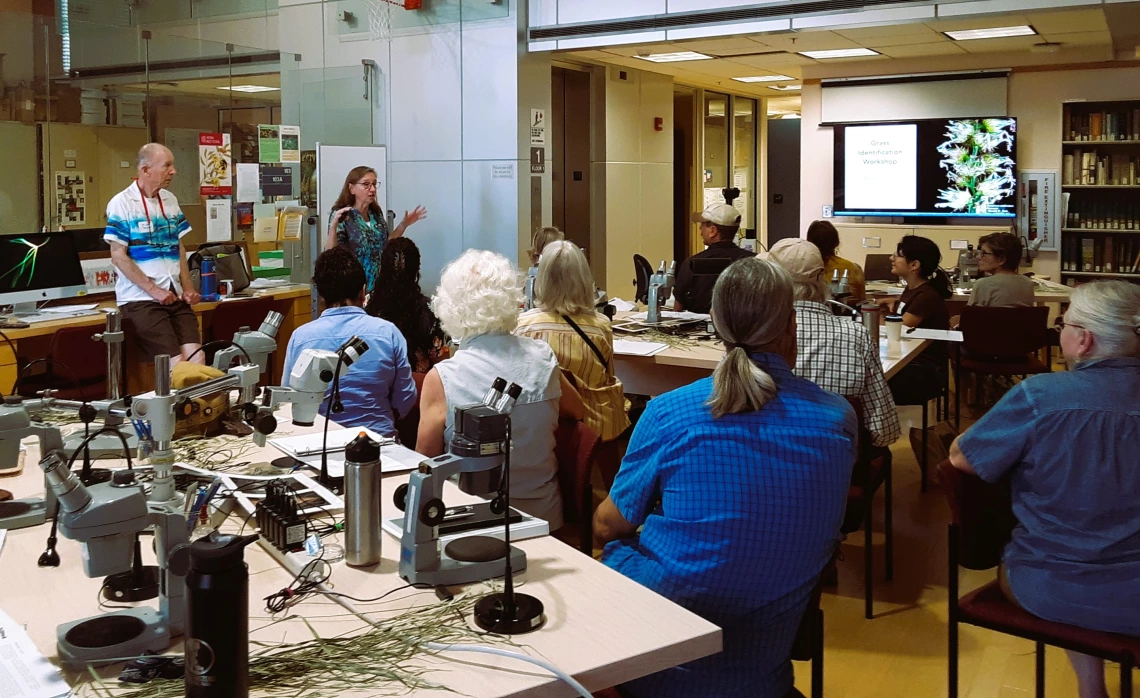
589, 343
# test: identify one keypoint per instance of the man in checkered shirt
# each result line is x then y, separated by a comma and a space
833, 352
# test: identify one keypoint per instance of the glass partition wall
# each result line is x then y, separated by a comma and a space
729, 156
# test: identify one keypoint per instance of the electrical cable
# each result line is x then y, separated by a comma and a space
569, 680
315, 573
48, 360
223, 343
422, 587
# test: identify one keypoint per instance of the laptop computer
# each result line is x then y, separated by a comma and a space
877, 267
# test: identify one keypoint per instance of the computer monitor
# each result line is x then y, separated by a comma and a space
38, 267
877, 267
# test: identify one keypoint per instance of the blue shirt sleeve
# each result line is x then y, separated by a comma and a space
403, 386
637, 487
291, 353
117, 231
1003, 437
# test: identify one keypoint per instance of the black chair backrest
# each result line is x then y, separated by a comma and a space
877, 267
1004, 332
706, 266
642, 271
983, 513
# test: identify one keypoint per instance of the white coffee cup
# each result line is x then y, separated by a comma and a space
894, 325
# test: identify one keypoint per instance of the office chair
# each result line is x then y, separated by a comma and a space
877, 267
642, 271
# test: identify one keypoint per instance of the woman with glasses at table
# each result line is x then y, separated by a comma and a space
998, 256
357, 221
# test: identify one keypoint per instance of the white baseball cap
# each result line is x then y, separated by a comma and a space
718, 214
799, 257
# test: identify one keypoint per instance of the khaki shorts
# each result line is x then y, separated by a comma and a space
162, 329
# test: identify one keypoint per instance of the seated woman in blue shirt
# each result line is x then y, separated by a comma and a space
740, 481
378, 389
1068, 443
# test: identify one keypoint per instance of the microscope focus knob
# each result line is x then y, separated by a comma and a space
326, 376
401, 497
87, 413
13, 400
122, 478
433, 512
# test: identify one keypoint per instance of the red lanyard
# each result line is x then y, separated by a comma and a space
146, 211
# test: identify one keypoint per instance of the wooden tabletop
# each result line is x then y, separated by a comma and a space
695, 359
601, 627
48, 327
878, 289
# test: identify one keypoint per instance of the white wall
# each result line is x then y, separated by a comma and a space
1035, 98
632, 174
455, 101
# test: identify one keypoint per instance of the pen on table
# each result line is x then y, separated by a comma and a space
198, 502
911, 329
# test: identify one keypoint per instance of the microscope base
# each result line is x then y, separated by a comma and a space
22, 513
103, 445
452, 572
110, 637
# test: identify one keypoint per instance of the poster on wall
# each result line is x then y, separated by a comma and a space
268, 143
215, 164
218, 221
100, 274
290, 143
248, 182
1037, 210
309, 178
70, 198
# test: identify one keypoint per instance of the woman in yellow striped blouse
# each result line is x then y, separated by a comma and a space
564, 318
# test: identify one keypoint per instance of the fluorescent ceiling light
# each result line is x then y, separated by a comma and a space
839, 53
251, 88
764, 78
790, 116
784, 88
674, 57
991, 33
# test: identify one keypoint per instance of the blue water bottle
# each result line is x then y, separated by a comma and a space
209, 280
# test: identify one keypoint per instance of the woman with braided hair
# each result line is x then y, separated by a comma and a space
397, 298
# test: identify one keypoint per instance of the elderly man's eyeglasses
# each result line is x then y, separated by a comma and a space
1061, 324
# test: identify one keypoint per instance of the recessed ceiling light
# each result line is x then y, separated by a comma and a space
790, 116
251, 88
784, 88
674, 57
839, 53
991, 33
764, 78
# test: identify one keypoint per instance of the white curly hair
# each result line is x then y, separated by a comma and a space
478, 293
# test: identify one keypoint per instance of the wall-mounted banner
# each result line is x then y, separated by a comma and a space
1038, 215
215, 164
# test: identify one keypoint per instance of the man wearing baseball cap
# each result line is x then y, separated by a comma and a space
833, 352
719, 223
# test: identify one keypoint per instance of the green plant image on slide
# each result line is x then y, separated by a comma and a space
979, 169
26, 265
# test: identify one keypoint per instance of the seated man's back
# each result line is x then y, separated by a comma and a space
749, 511
1068, 442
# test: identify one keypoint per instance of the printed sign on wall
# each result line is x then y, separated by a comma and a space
215, 164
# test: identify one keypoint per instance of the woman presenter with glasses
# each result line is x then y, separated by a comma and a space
358, 223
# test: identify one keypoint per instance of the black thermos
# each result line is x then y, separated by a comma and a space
217, 618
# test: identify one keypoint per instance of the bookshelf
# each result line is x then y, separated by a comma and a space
1100, 184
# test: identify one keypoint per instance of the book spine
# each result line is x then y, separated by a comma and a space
1088, 251
1067, 170
1109, 243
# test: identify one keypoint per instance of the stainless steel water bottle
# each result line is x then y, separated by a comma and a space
870, 313
217, 618
362, 501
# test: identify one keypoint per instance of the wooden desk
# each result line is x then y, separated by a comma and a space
33, 342
679, 366
601, 627
1041, 296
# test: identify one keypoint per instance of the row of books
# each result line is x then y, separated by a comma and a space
1111, 125
1108, 254
1090, 167
1093, 213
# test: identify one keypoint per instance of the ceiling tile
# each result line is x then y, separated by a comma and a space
1012, 43
877, 42
861, 33
809, 41
642, 49
946, 48
771, 60
1070, 21
727, 44
1095, 38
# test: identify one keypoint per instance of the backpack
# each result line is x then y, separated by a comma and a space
228, 261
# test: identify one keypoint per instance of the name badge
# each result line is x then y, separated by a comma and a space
145, 227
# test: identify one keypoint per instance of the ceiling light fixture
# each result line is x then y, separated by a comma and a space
250, 88
784, 88
991, 33
764, 78
676, 57
839, 53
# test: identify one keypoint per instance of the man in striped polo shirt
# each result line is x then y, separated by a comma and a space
154, 291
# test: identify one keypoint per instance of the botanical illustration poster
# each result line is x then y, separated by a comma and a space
290, 143
215, 164
70, 198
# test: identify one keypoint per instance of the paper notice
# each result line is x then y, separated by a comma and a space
269, 143
24, 672
218, 220
290, 143
264, 223
248, 182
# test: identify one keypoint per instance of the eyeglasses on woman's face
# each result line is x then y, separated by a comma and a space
367, 184
1062, 324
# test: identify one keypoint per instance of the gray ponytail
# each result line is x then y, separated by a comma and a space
751, 306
